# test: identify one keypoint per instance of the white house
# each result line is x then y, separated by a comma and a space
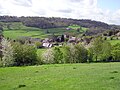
47, 45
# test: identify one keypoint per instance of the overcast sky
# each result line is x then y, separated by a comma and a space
101, 10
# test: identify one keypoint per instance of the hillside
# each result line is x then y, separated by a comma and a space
18, 29
94, 27
52, 22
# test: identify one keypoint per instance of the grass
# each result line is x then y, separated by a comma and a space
113, 42
94, 76
14, 34
17, 29
59, 31
36, 33
75, 27
39, 33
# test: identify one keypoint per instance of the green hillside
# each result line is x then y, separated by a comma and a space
17, 29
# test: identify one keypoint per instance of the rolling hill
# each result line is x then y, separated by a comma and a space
94, 27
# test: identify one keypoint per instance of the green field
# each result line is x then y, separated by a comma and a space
17, 29
36, 33
75, 27
24, 33
94, 76
113, 42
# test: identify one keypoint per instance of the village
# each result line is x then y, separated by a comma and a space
64, 39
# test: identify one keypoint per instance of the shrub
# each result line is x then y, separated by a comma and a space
66, 54
22, 40
69, 54
48, 57
116, 52
75, 54
90, 55
38, 44
81, 53
106, 51
39, 60
116, 55
58, 55
97, 46
24, 54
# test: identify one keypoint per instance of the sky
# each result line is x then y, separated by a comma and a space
107, 11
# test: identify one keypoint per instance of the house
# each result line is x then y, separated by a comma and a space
68, 28
118, 34
46, 40
72, 39
47, 45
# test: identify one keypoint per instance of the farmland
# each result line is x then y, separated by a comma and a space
113, 42
94, 76
17, 30
36, 33
14, 34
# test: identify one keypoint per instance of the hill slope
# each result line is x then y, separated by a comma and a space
18, 29
95, 27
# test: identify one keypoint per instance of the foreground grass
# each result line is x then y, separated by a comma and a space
95, 76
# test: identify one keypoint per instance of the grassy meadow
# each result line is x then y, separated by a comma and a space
113, 42
14, 34
37, 33
94, 76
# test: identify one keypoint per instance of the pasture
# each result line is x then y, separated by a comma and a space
14, 34
93, 76
36, 33
113, 42
17, 30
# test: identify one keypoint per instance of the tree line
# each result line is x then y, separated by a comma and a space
17, 54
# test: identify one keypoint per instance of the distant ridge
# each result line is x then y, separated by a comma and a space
54, 22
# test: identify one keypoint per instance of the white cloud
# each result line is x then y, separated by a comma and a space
80, 9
